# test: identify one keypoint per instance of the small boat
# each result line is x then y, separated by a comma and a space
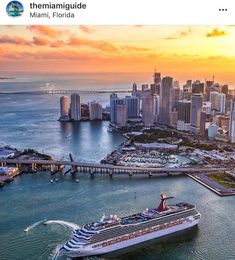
51, 181
27, 229
77, 180
110, 129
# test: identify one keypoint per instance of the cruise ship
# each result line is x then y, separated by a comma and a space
113, 233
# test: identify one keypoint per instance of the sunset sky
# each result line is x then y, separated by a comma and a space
179, 51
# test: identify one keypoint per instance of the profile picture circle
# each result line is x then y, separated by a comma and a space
14, 9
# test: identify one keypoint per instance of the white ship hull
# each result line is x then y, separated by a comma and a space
89, 251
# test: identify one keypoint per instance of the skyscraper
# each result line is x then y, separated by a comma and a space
165, 97
95, 111
218, 101
232, 122
114, 101
184, 111
134, 87
156, 109
75, 107
196, 109
209, 84
133, 106
197, 87
157, 77
121, 114
64, 108
147, 108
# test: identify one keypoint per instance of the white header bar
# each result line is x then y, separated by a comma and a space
121, 12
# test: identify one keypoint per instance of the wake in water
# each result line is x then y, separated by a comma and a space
34, 225
55, 254
70, 225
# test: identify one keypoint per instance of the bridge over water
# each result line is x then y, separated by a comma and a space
106, 168
62, 92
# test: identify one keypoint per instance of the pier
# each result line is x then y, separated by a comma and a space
92, 168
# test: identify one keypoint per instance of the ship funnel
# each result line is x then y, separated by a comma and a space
162, 205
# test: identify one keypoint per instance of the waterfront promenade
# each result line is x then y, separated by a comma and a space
106, 168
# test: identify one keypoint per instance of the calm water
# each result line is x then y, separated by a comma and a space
31, 121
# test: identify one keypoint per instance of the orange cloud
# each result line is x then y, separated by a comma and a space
40, 41
100, 45
216, 33
179, 35
86, 29
6, 39
45, 31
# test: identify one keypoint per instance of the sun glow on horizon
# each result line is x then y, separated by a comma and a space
179, 51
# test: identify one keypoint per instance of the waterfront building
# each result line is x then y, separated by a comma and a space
165, 100
75, 107
232, 122
196, 109
197, 87
121, 114
133, 106
85, 111
64, 108
147, 108
95, 110
184, 108
114, 101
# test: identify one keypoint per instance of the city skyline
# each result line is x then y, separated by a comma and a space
181, 52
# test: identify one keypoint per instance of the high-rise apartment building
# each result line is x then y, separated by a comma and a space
197, 87
114, 101
147, 108
232, 122
196, 109
184, 111
95, 111
64, 107
75, 107
165, 100
121, 115
133, 106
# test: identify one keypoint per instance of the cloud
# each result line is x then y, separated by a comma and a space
40, 41
6, 39
216, 33
179, 34
86, 29
45, 31
133, 48
100, 45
